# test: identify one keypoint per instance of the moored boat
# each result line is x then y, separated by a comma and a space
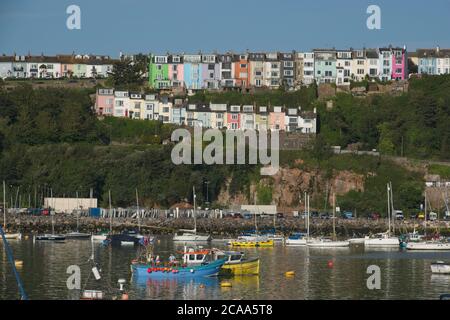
327, 243
440, 267
77, 236
381, 240
251, 244
237, 264
173, 272
432, 245
191, 237
99, 237
50, 237
12, 236
356, 240
296, 239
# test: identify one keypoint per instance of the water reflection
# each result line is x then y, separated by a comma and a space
404, 275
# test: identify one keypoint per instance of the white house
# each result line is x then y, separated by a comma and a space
308, 68
307, 121
150, 110
5, 67
343, 67
272, 71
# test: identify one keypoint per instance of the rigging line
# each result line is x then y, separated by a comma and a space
23, 294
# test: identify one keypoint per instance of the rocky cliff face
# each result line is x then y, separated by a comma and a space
290, 184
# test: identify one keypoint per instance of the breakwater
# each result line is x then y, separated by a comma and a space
215, 226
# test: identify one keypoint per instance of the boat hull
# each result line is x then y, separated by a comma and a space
441, 268
356, 240
328, 244
50, 237
252, 244
191, 238
382, 242
12, 236
211, 269
296, 242
99, 237
427, 246
77, 236
248, 267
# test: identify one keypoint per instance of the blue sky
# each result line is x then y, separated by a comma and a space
132, 26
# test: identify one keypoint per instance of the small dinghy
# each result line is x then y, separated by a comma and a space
440, 267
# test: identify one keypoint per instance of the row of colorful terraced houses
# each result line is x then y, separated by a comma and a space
133, 105
266, 70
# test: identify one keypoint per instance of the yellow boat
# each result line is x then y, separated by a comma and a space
252, 244
237, 264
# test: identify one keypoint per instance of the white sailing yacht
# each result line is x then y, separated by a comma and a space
427, 245
384, 239
7, 235
297, 239
77, 235
329, 243
191, 235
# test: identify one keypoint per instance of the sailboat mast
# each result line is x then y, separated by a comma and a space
425, 217
195, 218
78, 213
256, 225
110, 213
334, 216
137, 211
388, 210
4, 205
307, 212
392, 209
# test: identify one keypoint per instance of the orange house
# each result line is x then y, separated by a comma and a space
241, 70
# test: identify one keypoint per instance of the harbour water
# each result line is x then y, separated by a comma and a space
339, 273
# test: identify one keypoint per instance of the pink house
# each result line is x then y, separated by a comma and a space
176, 71
399, 64
277, 119
234, 118
104, 102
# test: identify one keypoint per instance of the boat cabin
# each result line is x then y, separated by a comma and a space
231, 256
195, 257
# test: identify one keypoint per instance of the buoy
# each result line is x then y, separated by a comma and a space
225, 284
330, 264
290, 273
149, 270
192, 270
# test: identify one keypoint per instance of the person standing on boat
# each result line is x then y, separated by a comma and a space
157, 260
171, 259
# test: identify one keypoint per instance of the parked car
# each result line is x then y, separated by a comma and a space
315, 214
374, 216
398, 214
347, 215
413, 216
324, 215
